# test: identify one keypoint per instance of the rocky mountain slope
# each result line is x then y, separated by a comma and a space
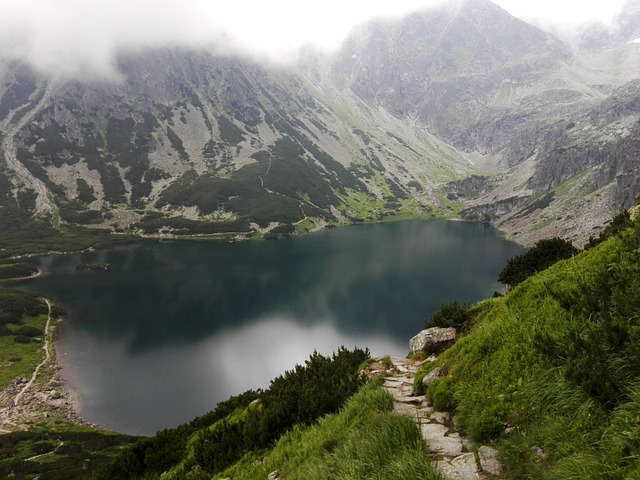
458, 111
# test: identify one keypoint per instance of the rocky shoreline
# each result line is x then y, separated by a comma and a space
46, 400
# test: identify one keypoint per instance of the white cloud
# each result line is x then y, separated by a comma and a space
563, 12
78, 36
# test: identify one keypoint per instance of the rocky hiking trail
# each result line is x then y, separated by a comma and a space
453, 454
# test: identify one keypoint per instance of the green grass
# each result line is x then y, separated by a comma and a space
19, 359
566, 186
362, 205
364, 441
305, 225
554, 365
77, 451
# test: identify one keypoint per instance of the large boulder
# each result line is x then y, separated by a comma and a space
433, 340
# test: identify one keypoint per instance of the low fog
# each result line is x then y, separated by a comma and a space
72, 38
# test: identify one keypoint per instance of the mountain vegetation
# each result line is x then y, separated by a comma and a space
50, 449
539, 257
247, 423
548, 373
460, 112
451, 112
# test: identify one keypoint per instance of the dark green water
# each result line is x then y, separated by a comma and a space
172, 328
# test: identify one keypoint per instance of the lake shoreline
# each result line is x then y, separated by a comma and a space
159, 337
250, 237
45, 400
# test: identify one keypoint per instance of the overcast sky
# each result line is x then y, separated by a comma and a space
71, 36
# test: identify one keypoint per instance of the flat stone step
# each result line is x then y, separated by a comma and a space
463, 467
408, 399
404, 409
441, 417
490, 461
435, 436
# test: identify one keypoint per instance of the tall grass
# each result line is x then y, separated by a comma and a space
552, 372
364, 441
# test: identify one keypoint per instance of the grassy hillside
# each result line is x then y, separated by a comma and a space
549, 373
365, 440
552, 370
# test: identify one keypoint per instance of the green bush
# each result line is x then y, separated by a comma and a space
17, 270
600, 345
618, 224
43, 447
22, 339
28, 331
540, 257
450, 314
488, 422
250, 422
78, 451
14, 304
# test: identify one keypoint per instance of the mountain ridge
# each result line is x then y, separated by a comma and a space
189, 142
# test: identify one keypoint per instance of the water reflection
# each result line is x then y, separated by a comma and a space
129, 395
172, 328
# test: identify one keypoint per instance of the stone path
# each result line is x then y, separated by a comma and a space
452, 452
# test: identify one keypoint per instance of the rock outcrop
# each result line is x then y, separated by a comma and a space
433, 340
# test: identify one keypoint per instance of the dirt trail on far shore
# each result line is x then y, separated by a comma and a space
47, 357
43, 398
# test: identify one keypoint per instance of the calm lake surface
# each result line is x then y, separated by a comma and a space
173, 328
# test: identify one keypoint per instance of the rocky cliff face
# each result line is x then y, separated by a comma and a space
188, 135
457, 70
458, 109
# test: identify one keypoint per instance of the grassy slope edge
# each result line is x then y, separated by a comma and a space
363, 440
552, 370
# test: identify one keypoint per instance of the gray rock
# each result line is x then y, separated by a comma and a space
466, 465
448, 471
490, 461
392, 383
274, 475
441, 417
404, 409
538, 452
407, 399
437, 442
431, 376
433, 340
425, 412
54, 395
462, 467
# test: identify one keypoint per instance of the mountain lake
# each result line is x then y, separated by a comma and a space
171, 328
